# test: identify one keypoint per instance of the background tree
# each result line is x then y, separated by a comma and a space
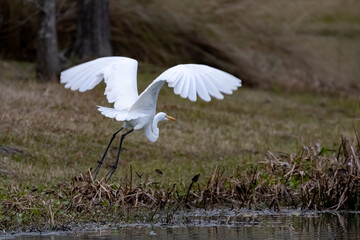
93, 29
48, 66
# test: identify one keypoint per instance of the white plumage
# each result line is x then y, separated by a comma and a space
138, 111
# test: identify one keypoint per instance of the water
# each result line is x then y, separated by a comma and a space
222, 225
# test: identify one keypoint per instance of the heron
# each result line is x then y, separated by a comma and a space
139, 111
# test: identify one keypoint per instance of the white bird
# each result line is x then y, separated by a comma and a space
138, 111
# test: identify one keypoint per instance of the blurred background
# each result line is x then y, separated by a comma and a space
279, 44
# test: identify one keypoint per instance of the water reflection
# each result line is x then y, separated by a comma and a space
330, 225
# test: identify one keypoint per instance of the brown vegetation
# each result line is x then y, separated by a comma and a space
314, 178
311, 179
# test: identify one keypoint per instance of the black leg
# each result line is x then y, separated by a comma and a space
100, 162
113, 168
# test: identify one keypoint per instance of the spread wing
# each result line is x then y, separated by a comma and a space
188, 80
119, 74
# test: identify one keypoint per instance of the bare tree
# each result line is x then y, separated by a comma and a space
48, 65
93, 29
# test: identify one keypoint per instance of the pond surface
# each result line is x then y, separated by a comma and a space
221, 224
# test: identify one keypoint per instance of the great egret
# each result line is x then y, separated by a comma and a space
138, 111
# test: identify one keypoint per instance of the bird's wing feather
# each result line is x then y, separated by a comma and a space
119, 74
188, 80
205, 81
146, 102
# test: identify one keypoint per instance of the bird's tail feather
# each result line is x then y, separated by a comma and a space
120, 115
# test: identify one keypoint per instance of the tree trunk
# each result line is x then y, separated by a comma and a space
93, 29
48, 65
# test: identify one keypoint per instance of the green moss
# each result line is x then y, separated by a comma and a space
338, 18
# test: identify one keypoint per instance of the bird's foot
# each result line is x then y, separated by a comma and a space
96, 171
110, 173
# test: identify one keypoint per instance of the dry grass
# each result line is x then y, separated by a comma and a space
60, 132
314, 178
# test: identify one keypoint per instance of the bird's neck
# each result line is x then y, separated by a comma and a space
152, 130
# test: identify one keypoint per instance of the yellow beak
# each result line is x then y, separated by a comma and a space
170, 118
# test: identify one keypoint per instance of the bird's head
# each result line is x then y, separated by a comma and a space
164, 117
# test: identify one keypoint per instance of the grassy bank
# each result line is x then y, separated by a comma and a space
49, 135
313, 179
